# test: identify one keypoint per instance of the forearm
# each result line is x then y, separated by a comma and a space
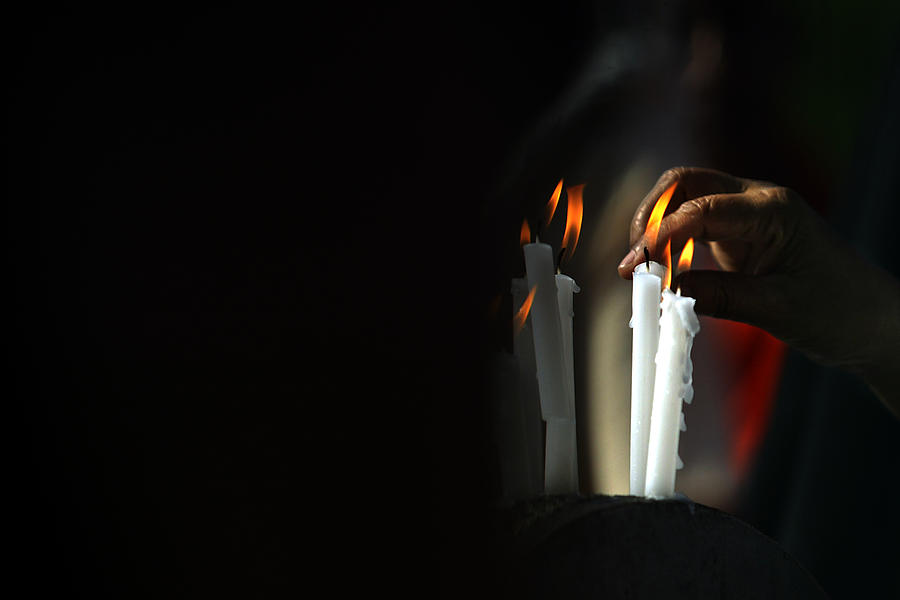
882, 369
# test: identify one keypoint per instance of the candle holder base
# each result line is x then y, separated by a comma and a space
627, 547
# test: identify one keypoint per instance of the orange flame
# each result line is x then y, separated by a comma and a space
574, 214
667, 261
551, 205
525, 234
687, 255
656, 216
522, 314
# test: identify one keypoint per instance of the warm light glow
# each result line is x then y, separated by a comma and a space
574, 214
554, 200
494, 306
667, 261
525, 234
522, 314
684, 263
656, 216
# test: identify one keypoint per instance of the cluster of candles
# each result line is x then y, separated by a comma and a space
664, 325
550, 300
661, 367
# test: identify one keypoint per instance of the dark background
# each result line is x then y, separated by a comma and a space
252, 254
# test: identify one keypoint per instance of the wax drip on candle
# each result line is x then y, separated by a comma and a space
672, 388
522, 314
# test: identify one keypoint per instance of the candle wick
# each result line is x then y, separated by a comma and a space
647, 258
559, 259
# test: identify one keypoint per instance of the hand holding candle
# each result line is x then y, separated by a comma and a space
776, 255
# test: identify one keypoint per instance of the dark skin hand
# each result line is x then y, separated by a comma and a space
783, 270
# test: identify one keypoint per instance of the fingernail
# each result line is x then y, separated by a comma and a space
628, 258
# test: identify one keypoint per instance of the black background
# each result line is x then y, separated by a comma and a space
246, 254
244, 250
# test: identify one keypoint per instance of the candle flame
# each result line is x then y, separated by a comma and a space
684, 263
522, 313
551, 205
667, 261
656, 216
525, 234
574, 215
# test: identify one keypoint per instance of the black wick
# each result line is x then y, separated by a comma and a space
559, 258
647, 258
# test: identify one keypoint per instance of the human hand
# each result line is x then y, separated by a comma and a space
783, 270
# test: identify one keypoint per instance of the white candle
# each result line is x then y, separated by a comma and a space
678, 326
565, 289
528, 396
551, 318
548, 345
645, 337
561, 463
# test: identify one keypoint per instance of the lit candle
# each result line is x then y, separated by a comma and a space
551, 318
566, 286
548, 342
565, 289
561, 464
645, 294
672, 385
548, 345
645, 338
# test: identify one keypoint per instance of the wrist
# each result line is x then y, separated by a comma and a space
881, 369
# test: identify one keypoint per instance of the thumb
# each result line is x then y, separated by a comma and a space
735, 296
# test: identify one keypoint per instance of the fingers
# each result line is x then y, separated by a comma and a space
707, 218
692, 183
738, 297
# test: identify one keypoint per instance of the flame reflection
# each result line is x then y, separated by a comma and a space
522, 313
